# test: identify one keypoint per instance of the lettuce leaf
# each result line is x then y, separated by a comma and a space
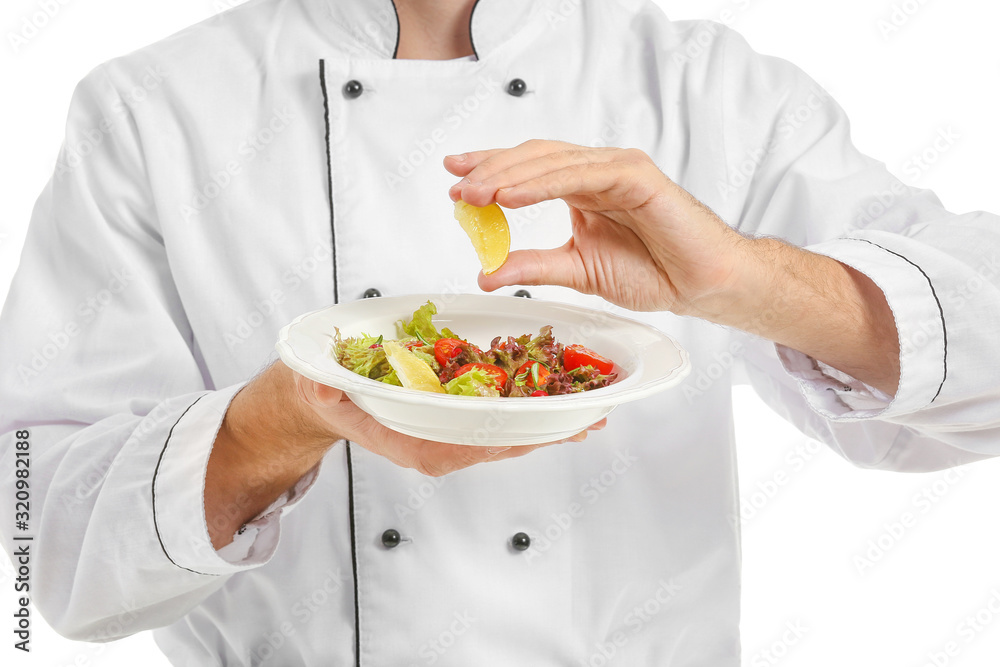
544, 348
392, 379
476, 382
584, 378
420, 325
428, 357
357, 354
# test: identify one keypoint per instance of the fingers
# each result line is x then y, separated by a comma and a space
430, 458
461, 165
503, 453
599, 426
506, 169
537, 171
498, 159
436, 459
560, 266
618, 186
514, 452
439, 459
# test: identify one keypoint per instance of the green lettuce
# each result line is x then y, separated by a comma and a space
392, 379
428, 357
357, 354
476, 382
421, 327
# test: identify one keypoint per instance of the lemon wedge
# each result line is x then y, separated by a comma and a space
489, 232
413, 372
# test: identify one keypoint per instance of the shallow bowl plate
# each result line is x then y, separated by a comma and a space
648, 361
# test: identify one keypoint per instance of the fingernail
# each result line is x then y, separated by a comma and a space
459, 158
493, 451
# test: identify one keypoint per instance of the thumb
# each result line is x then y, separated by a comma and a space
559, 266
316, 394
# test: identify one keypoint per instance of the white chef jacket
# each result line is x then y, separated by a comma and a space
219, 183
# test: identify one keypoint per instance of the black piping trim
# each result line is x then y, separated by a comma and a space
472, 39
354, 555
944, 328
156, 471
399, 29
329, 174
336, 299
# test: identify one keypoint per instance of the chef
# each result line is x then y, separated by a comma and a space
291, 154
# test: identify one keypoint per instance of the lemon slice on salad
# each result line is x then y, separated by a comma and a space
412, 371
489, 232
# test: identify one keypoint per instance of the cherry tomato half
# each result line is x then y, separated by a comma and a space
575, 356
498, 373
446, 349
532, 370
539, 392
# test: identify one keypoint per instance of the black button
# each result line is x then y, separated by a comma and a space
520, 541
523, 293
391, 538
353, 89
517, 87
371, 293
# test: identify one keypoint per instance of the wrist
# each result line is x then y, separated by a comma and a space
743, 280
268, 421
772, 284
267, 441
295, 400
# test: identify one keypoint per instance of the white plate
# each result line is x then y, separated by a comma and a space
649, 361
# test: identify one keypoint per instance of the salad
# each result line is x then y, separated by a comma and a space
441, 361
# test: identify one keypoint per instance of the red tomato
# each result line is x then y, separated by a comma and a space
575, 356
446, 349
539, 392
498, 373
533, 368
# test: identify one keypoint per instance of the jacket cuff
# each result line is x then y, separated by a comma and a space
179, 493
256, 541
919, 321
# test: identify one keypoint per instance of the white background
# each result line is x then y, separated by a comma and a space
939, 70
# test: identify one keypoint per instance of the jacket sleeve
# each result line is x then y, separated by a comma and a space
100, 367
794, 173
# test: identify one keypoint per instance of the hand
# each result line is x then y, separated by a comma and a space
639, 240
281, 424
341, 416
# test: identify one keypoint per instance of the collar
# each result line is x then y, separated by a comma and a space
373, 25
